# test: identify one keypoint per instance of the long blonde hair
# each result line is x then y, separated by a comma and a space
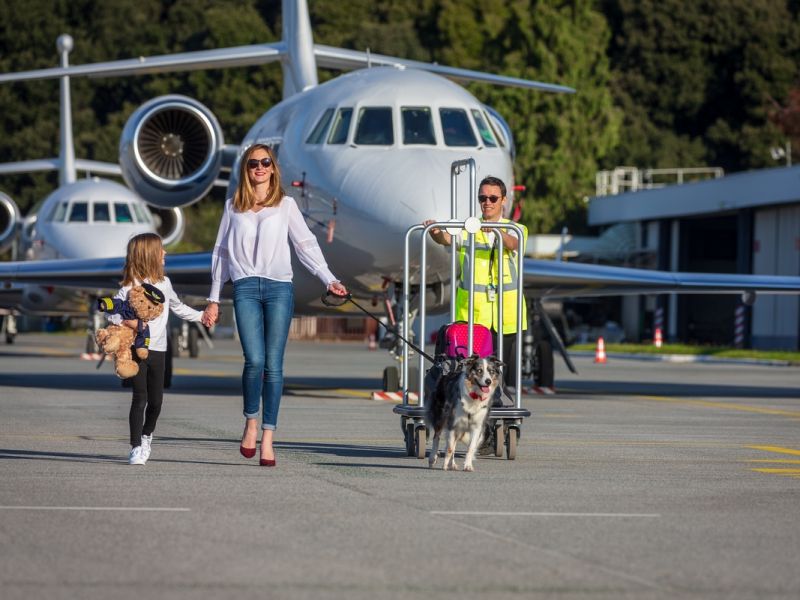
143, 260
245, 197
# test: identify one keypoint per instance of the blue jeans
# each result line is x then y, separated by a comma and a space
263, 309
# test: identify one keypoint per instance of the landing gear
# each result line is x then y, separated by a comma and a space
10, 328
543, 365
185, 338
391, 379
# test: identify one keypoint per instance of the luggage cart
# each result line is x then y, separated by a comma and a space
508, 419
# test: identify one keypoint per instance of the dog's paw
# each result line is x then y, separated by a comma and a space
468, 468
432, 462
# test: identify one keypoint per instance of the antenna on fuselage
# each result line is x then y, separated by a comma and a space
300, 65
66, 154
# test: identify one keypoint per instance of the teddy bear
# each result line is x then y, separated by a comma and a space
144, 303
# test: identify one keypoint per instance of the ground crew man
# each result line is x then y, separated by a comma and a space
488, 292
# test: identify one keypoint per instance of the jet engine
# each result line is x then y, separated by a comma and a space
170, 151
170, 223
9, 219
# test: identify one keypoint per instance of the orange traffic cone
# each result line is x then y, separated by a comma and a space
657, 339
600, 353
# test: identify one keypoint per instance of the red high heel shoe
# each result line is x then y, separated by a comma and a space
247, 452
266, 462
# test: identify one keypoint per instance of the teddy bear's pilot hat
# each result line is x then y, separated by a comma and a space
153, 294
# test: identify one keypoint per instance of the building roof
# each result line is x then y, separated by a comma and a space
733, 192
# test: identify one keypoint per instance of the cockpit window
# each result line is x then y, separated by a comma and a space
483, 129
60, 212
498, 136
123, 213
417, 125
79, 212
141, 214
318, 134
375, 127
341, 126
456, 128
100, 212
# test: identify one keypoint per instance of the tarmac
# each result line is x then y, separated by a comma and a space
635, 480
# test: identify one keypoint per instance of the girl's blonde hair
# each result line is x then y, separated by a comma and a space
143, 260
245, 197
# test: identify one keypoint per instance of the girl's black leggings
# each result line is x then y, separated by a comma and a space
148, 393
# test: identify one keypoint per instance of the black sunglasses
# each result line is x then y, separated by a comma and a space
254, 162
491, 199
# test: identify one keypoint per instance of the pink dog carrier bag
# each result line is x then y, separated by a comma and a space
453, 338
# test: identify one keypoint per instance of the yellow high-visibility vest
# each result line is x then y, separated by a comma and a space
485, 311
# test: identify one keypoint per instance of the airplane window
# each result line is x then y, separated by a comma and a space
61, 212
375, 127
79, 213
140, 213
497, 134
123, 213
456, 127
318, 134
341, 126
101, 212
417, 125
483, 129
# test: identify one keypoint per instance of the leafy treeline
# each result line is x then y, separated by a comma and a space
662, 83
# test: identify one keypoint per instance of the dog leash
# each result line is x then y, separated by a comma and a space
340, 300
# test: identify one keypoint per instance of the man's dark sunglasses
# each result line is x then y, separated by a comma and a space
254, 162
491, 199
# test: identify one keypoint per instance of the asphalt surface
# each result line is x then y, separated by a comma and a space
637, 480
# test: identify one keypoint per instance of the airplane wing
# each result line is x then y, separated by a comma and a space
340, 58
190, 274
240, 56
259, 54
556, 279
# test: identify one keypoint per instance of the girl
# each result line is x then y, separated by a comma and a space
252, 249
144, 263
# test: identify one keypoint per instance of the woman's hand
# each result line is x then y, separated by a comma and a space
210, 314
336, 287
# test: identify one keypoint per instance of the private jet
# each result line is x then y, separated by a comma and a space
366, 155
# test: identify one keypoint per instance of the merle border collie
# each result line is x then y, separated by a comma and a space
459, 407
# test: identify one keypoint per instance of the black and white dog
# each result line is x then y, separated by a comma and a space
459, 407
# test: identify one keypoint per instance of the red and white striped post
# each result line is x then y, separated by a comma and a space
738, 327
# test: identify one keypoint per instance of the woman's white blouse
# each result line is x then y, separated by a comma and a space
158, 326
256, 244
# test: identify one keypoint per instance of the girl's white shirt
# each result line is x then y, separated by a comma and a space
256, 244
158, 326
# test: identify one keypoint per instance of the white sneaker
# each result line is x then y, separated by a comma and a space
135, 457
147, 440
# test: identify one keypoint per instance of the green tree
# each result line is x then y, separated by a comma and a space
560, 139
695, 79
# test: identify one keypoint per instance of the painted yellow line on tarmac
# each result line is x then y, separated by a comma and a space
727, 406
775, 461
779, 471
777, 449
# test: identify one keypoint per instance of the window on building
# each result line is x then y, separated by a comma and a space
341, 126
417, 125
456, 127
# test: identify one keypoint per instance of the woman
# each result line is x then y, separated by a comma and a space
252, 250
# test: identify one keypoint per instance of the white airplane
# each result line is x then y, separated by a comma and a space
368, 154
82, 219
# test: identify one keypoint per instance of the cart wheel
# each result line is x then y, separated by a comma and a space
420, 441
391, 379
511, 443
410, 439
499, 440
